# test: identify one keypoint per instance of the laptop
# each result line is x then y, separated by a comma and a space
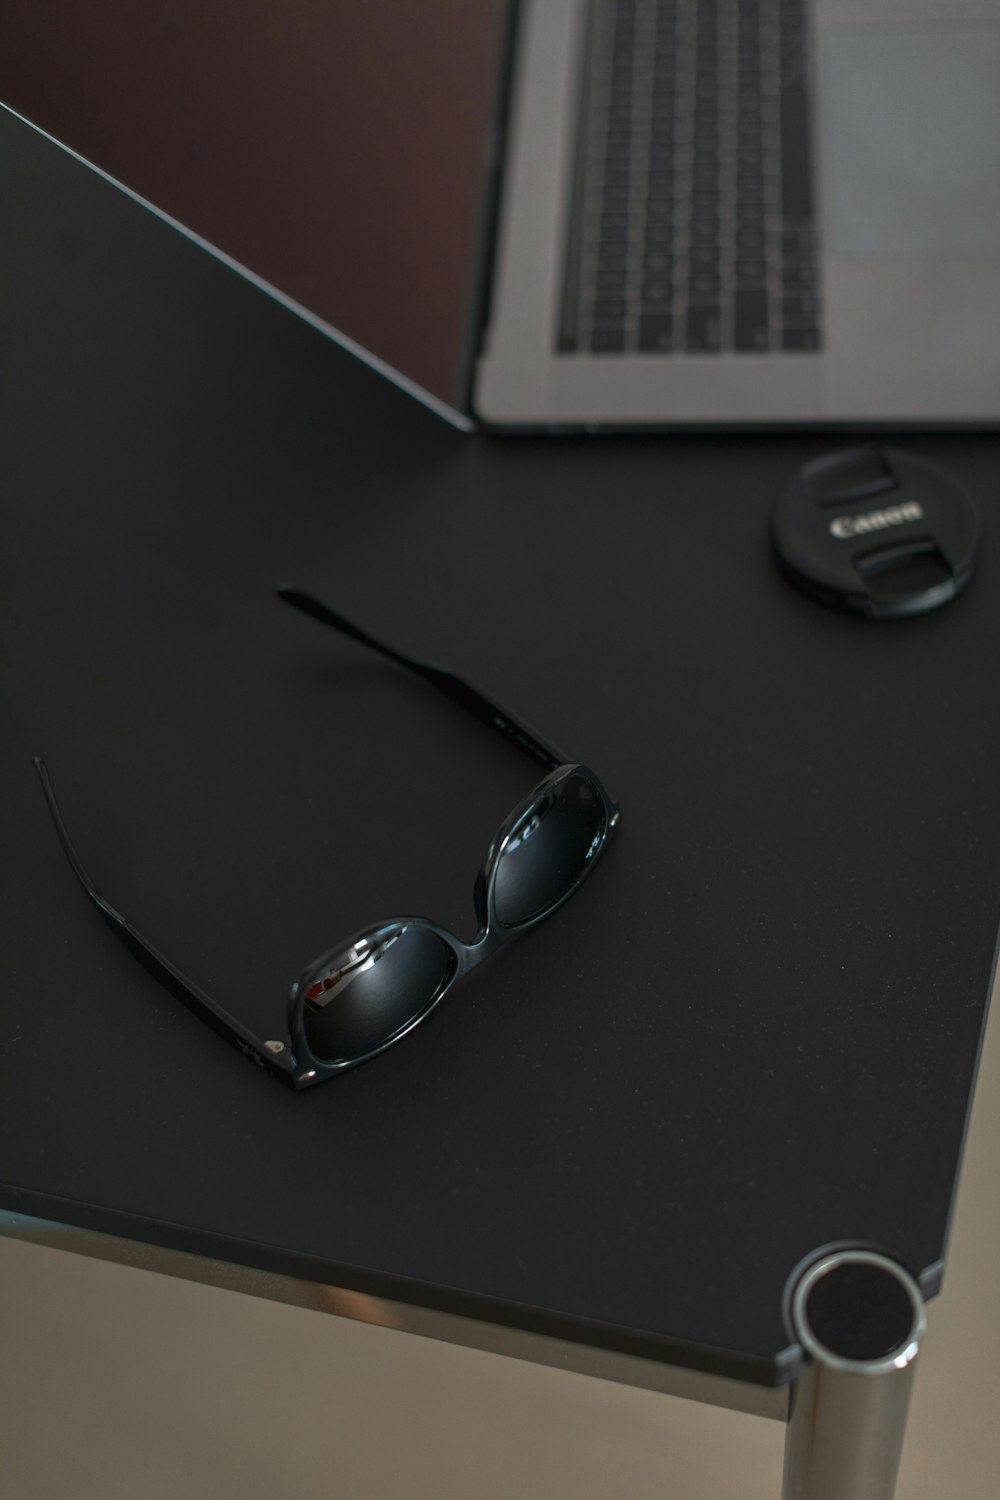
567, 214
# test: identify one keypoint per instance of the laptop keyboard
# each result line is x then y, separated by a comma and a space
692, 224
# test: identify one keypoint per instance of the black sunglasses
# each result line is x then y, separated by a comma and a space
371, 990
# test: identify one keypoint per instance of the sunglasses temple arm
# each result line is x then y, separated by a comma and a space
454, 687
161, 968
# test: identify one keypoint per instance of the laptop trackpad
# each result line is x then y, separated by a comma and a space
914, 141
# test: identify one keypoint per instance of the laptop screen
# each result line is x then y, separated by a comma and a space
335, 148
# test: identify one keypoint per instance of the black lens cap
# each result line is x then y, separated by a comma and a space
877, 531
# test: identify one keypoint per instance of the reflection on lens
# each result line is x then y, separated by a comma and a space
549, 851
374, 989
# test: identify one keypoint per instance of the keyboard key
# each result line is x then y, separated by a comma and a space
798, 277
656, 332
750, 328
704, 285
609, 288
749, 182
704, 334
800, 340
607, 340
615, 196
659, 234
658, 263
609, 310
750, 213
704, 230
796, 188
797, 241
750, 241
612, 256
802, 309
751, 268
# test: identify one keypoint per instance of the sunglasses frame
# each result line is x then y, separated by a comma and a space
293, 1059
492, 934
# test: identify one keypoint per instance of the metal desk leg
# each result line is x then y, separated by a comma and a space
859, 1318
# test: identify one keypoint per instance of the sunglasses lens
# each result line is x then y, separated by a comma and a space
374, 990
549, 851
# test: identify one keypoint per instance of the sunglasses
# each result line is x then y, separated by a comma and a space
373, 988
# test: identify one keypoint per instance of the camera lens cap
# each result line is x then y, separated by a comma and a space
877, 531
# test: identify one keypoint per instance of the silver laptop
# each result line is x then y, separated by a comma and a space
731, 211
573, 213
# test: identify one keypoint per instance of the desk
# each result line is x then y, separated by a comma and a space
753, 1033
